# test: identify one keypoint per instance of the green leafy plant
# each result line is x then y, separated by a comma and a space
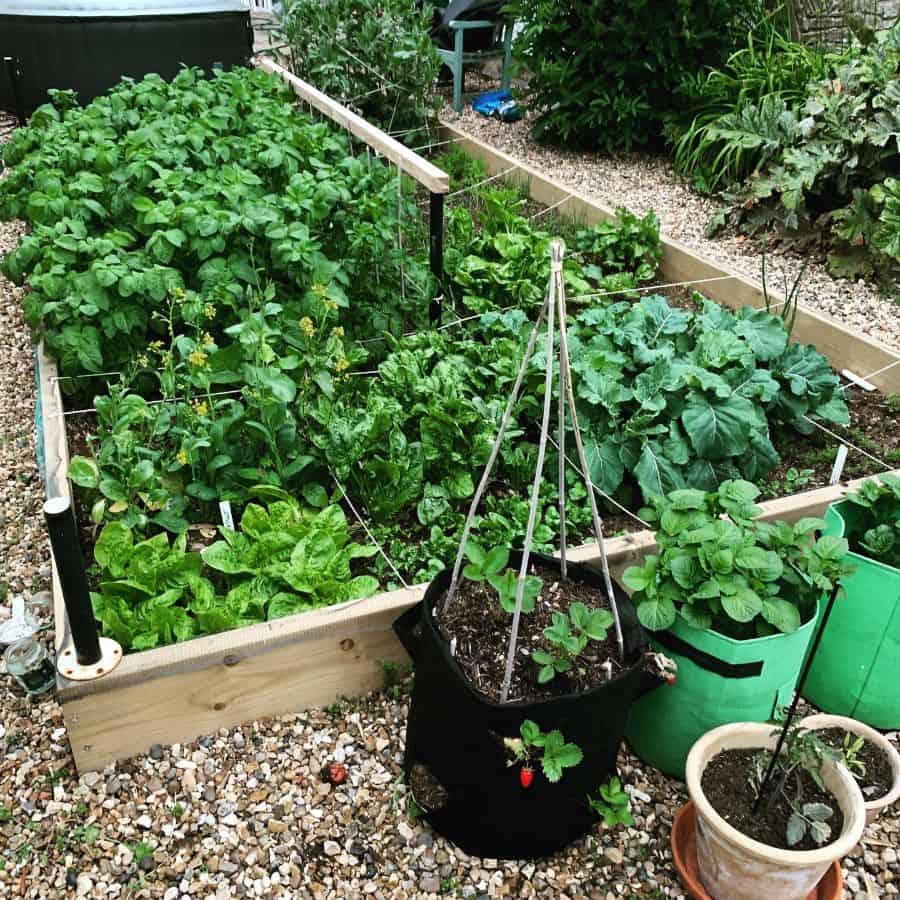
850, 750
283, 559
721, 568
612, 804
550, 748
568, 636
490, 566
803, 751
875, 529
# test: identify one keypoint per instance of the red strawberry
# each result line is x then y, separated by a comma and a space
335, 773
670, 679
526, 776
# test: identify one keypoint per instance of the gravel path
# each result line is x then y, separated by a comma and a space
642, 182
244, 813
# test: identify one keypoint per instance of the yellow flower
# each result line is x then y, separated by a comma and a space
200, 407
178, 293
143, 361
209, 311
330, 304
341, 364
197, 358
156, 345
207, 339
307, 327
338, 331
182, 457
320, 290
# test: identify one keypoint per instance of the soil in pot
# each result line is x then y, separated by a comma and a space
481, 628
879, 777
726, 785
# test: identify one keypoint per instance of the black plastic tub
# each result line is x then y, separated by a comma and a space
454, 740
88, 45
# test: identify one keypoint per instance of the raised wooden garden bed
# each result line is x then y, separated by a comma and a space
177, 693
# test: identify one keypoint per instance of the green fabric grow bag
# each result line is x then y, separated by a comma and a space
855, 672
720, 680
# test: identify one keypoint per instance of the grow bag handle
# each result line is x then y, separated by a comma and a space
706, 660
408, 628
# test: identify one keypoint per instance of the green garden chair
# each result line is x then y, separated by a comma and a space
458, 58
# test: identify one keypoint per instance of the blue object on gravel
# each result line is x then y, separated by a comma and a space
497, 105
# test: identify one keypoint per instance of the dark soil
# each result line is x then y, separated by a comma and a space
874, 427
482, 628
726, 785
878, 778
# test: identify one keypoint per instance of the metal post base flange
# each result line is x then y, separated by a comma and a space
69, 667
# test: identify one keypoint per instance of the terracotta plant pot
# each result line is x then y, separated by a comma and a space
824, 720
684, 852
733, 866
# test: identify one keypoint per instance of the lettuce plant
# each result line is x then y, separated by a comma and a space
721, 568
283, 559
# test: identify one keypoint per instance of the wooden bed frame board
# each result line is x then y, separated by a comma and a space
417, 167
181, 692
845, 347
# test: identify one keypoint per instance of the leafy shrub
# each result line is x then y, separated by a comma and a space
604, 73
721, 568
828, 161
749, 95
373, 55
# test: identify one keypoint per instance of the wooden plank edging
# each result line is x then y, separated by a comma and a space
845, 347
426, 173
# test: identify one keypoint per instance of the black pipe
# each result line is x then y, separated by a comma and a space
12, 69
801, 683
436, 248
66, 547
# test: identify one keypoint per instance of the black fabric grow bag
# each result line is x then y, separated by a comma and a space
89, 54
456, 734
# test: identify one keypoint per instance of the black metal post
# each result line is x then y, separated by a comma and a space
12, 68
801, 683
436, 248
63, 532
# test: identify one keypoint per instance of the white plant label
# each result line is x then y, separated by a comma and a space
839, 461
225, 512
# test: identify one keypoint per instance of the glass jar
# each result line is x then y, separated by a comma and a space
27, 661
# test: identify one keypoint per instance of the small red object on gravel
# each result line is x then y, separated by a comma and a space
334, 773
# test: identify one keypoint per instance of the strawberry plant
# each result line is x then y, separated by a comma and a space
550, 748
568, 636
612, 804
490, 566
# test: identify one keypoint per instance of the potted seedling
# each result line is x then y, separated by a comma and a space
855, 673
526, 665
769, 825
866, 754
733, 600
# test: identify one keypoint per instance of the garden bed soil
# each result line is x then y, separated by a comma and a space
879, 777
481, 629
726, 785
